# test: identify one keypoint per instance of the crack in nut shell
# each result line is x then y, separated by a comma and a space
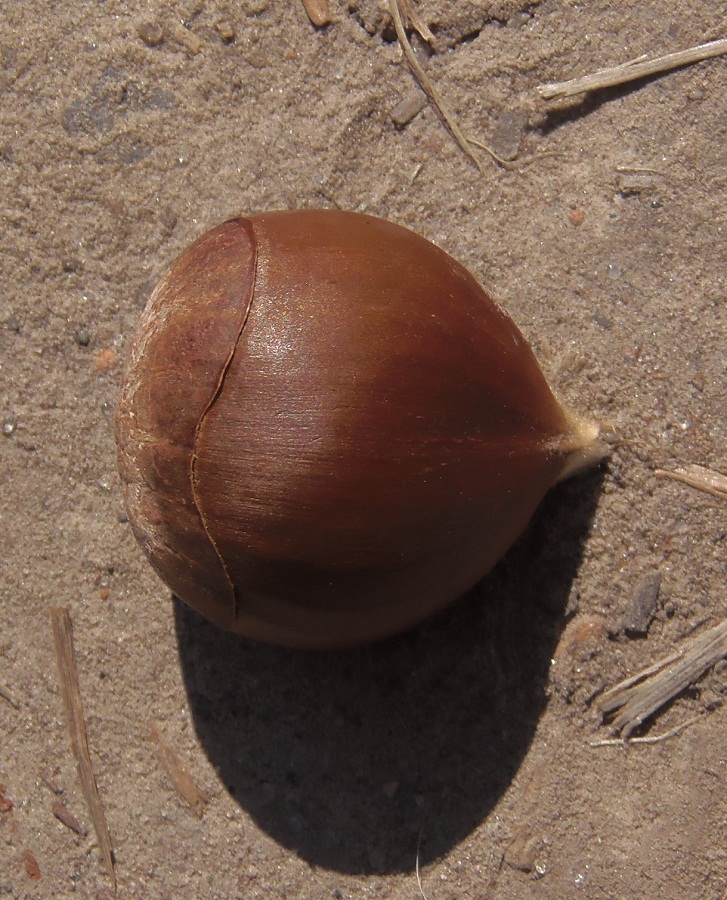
188, 329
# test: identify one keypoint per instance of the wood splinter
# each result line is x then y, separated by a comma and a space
71, 695
641, 695
180, 777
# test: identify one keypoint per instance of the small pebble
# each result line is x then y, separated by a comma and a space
151, 33
643, 606
83, 338
577, 217
523, 851
32, 868
582, 631
390, 788
226, 32
519, 19
634, 183
258, 59
6, 804
613, 271
64, 815
377, 858
318, 11
408, 107
188, 39
508, 133
105, 360
9, 427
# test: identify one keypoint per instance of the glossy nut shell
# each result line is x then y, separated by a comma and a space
328, 430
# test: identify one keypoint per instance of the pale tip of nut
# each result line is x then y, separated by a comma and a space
586, 446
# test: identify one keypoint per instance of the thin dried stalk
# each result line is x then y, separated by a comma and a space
428, 87
418, 873
71, 694
513, 165
630, 71
643, 694
182, 781
699, 477
648, 739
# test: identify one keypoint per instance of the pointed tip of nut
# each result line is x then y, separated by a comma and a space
586, 447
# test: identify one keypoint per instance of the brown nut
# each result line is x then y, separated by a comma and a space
328, 431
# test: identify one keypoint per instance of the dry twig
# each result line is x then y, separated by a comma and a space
427, 85
642, 694
71, 694
699, 477
630, 71
465, 143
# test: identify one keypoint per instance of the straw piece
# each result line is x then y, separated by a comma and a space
699, 477
630, 71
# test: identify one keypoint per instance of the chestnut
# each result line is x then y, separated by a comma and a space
327, 429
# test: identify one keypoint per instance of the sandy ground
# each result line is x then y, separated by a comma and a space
466, 743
